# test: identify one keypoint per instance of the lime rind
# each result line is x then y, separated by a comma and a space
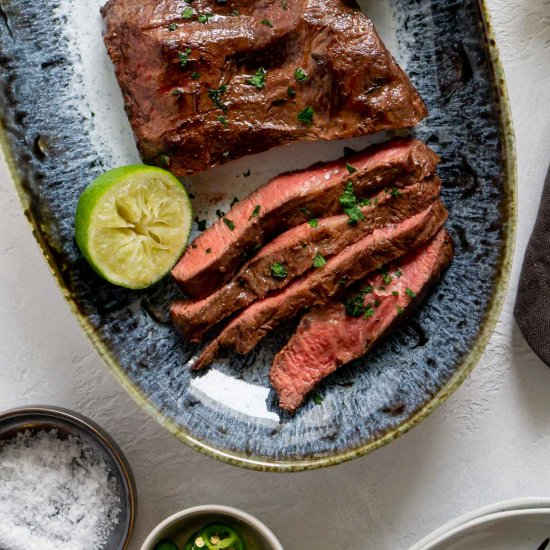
132, 224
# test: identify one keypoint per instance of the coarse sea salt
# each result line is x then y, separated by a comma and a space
55, 494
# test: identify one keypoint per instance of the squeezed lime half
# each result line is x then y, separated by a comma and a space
132, 224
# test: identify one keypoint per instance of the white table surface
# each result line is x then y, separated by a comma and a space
490, 441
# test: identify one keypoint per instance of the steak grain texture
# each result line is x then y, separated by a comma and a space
290, 200
383, 245
179, 75
296, 249
329, 337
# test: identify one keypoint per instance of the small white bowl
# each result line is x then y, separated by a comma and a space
180, 526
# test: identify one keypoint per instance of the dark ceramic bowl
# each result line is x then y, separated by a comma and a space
70, 423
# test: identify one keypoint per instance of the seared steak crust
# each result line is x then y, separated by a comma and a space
329, 337
183, 66
290, 200
297, 249
316, 287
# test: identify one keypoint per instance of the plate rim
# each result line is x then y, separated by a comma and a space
488, 323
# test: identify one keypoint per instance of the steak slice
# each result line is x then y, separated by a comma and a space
334, 334
290, 200
206, 82
316, 287
296, 250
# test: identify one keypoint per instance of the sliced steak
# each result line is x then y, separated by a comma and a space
290, 200
297, 250
336, 333
213, 81
316, 287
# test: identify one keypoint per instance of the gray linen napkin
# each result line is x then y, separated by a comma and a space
532, 310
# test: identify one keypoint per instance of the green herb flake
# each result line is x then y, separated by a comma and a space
201, 224
223, 120
234, 202
195, 76
318, 399
318, 261
348, 200
351, 169
364, 202
279, 271
164, 160
400, 310
410, 292
267, 23
395, 293
229, 223
205, 17
258, 80
314, 222
209, 251
386, 278
369, 311
172, 27
306, 212
291, 92
194, 245
305, 116
355, 304
234, 13
177, 92
183, 57
398, 273
300, 75
215, 95
187, 13
395, 192
255, 212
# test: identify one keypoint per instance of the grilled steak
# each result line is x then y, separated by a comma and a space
211, 81
290, 200
316, 287
336, 333
297, 250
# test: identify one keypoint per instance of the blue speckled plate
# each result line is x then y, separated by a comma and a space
64, 124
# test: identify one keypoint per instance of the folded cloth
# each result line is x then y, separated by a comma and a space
532, 310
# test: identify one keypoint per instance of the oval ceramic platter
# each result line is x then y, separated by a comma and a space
64, 124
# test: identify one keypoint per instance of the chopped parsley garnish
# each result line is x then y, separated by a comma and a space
318, 261
376, 303
305, 116
187, 13
300, 75
398, 273
306, 212
209, 251
385, 277
400, 310
351, 169
258, 80
194, 245
318, 399
177, 91
222, 119
195, 76
204, 17
267, 23
395, 293
291, 92
234, 201
201, 224
255, 212
395, 192
183, 57
234, 13
172, 27
165, 159
229, 223
220, 214
364, 202
348, 200
216, 96
355, 305
279, 271
410, 292
314, 222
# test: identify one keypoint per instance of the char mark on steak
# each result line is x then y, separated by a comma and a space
316, 287
297, 250
207, 82
342, 330
293, 199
